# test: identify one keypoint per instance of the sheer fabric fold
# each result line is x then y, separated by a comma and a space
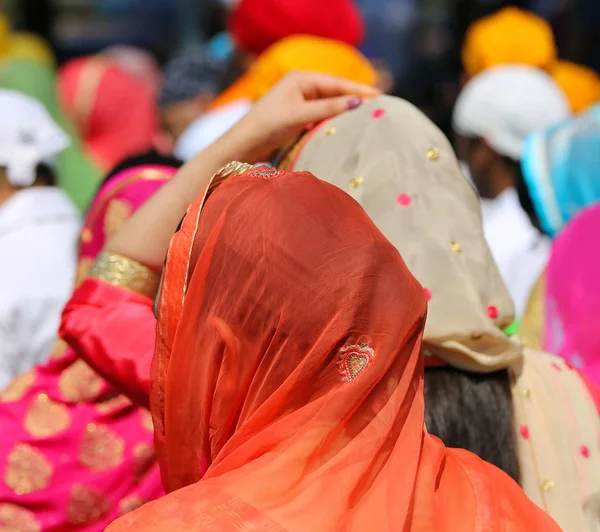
287, 386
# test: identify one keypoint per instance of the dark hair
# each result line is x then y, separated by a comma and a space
523, 191
45, 175
475, 412
151, 157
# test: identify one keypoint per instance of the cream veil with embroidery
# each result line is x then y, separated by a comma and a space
400, 167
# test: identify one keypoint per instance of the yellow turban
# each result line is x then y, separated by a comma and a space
299, 52
510, 36
581, 84
23, 45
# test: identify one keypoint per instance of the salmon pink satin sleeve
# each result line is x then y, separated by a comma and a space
113, 329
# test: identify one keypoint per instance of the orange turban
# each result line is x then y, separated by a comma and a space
299, 52
257, 24
510, 36
581, 84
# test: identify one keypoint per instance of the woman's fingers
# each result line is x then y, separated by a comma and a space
315, 85
318, 110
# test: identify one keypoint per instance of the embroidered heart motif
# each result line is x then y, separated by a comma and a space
353, 360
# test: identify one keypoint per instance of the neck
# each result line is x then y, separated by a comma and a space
501, 180
7, 191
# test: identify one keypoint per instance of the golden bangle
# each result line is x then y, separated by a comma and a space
126, 273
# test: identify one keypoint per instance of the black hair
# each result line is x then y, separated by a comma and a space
523, 191
151, 157
475, 412
45, 175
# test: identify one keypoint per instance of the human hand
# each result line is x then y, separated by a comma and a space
299, 99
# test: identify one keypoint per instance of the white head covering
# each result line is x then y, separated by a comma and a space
208, 128
28, 137
504, 104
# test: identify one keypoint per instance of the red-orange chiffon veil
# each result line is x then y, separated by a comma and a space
262, 420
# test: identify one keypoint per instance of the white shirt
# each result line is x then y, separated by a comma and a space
519, 249
39, 229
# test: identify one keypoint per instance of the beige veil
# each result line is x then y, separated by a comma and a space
402, 170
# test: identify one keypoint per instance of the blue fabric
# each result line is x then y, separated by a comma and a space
220, 47
561, 167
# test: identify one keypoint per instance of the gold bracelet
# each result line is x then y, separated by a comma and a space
126, 273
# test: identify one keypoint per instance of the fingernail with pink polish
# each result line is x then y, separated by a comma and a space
354, 102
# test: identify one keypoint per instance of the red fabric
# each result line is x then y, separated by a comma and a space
265, 295
114, 112
257, 24
113, 330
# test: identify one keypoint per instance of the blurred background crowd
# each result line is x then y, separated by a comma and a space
418, 41
102, 101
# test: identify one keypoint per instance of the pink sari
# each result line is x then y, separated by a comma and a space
74, 454
572, 302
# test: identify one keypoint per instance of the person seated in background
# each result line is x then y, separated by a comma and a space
114, 113
581, 84
560, 168
493, 115
38, 234
190, 84
524, 411
256, 25
298, 52
75, 455
510, 36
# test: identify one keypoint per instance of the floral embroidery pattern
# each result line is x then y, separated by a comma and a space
46, 417
17, 388
101, 448
117, 213
27, 470
353, 360
86, 506
13, 518
79, 383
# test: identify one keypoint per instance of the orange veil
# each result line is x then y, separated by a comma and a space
288, 377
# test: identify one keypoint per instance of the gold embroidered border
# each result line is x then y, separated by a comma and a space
126, 273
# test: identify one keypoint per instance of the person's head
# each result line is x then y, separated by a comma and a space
282, 302
509, 36
402, 170
190, 84
581, 84
304, 53
29, 142
114, 113
139, 63
255, 25
493, 115
124, 190
299, 52
560, 167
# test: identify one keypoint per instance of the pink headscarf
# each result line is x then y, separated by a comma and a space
114, 112
572, 325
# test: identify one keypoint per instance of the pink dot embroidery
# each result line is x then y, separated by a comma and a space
524, 430
556, 366
404, 199
492, 312
427, 293
378, 113
585, 452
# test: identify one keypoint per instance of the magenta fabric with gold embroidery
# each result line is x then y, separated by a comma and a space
74, 454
